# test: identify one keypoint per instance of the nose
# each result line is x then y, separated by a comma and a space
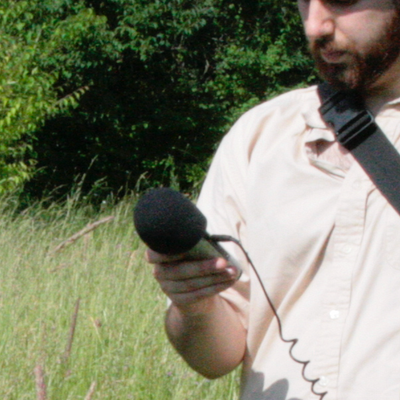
318, 19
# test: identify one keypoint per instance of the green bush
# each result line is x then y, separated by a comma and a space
160, 82
33, 33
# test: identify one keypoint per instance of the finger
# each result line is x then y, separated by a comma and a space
198, 295
189, 269
198, 283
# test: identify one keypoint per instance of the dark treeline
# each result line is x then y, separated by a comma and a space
148, 87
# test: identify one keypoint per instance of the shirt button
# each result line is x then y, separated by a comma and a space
334, 314
323, 381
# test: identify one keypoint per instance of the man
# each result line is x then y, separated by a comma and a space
322, 237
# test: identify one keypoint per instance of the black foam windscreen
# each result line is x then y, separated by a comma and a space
168, 222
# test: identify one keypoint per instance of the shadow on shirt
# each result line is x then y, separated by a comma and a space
277, 391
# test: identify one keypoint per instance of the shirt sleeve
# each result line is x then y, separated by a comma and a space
222, 201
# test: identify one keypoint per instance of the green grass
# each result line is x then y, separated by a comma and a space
119, 341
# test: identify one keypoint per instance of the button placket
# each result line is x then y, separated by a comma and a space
347, 236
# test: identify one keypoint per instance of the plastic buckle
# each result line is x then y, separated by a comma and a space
356, 130
351, 122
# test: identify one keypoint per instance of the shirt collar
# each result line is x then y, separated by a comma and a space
393, 102
318, 129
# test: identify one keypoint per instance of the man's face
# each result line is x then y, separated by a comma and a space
354, 42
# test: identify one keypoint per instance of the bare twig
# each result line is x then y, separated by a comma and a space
40, 383
91, 391
88, 228
68, 348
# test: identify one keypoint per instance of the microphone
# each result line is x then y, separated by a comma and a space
171, 224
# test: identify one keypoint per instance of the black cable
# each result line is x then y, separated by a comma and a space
225, 238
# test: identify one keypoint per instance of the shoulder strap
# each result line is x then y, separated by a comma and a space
357, 131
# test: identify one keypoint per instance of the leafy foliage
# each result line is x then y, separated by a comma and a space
165, 80
26, 92
31, 35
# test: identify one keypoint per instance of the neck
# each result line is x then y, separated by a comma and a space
385, 89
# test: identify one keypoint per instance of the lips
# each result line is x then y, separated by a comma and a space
333, 56
326, 51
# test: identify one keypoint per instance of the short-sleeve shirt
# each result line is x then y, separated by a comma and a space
326, 244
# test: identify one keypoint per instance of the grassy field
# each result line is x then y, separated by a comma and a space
83, 319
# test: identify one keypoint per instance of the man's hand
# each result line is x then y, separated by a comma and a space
191, 284
201, 325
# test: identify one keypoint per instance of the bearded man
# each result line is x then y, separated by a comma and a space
323, 239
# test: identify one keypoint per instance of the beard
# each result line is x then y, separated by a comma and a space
360, 70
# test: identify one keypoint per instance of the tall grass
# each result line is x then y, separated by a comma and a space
85, 321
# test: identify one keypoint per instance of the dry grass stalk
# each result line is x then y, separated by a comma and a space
68, 349
132, 258
58, 268
86, 242
87, 229
91, 391
40, 383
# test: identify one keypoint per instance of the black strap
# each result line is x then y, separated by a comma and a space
358, 132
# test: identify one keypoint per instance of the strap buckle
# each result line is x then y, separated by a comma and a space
349, 119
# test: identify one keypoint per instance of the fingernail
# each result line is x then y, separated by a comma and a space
220, 264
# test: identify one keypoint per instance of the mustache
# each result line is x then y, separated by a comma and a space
326, 45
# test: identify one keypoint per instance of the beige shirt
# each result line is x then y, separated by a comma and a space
327, 246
